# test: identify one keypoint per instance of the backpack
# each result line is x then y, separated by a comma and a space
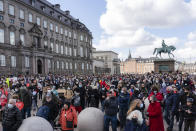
43, 112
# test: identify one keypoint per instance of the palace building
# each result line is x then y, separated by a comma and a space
37, 37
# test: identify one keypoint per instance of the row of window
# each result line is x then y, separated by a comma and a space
13, 61
65, 50
67, 65
27, 65
11, 11
12, 42
11, 36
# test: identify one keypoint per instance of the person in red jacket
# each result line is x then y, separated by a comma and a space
155, 92
19, 104
68, 117
3, 101
155, 115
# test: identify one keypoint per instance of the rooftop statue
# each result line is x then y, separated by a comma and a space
165, 49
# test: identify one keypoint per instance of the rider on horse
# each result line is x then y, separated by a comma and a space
164, 46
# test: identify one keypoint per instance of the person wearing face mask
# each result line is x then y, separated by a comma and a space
50, 102
12, 117
158, 95
189, 111
102, 95
111, 110
25, 95
171, 108
154, 113
123, 101
68, 117
168, 106
135, 120
76, 101
182, 101
82, 92
144, 90
54, 91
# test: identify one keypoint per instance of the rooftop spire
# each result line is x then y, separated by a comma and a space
129, 57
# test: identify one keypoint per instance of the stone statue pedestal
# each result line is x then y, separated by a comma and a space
164, 65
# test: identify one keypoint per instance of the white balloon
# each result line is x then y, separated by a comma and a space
91, 119
35, 124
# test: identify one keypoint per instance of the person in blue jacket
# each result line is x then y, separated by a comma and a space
123, 101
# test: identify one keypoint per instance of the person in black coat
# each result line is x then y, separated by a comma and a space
12, 117
189, 111
168, 105
25, 96
94, 97
123, 101
53, 106
82, 94
111, 110
172, 106
182, 102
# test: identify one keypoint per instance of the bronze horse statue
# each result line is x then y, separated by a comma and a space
167, 49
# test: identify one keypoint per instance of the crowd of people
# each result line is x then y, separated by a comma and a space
132, 102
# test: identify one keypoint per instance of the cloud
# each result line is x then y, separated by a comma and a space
125, 21
188, 50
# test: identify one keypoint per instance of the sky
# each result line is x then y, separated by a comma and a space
138, 25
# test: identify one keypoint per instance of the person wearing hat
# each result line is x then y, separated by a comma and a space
189, 115
53, 106
68, 117
183, 101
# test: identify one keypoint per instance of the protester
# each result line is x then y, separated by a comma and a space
155, 115
12, 117
94, 97
111, 93
77, 101
40, 88
123, 101
186, 93
68, 94
111, 110
189, 115
25, 95
68, 117
50, 102
135, 120
19, 104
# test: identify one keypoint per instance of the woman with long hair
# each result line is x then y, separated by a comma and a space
135, 120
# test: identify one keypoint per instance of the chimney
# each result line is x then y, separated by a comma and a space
57, 6
67, 12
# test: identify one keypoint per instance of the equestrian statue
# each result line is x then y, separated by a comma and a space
165, 49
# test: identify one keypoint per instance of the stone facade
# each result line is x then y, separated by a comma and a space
137, 65
39, 38
111, 63
186, 67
